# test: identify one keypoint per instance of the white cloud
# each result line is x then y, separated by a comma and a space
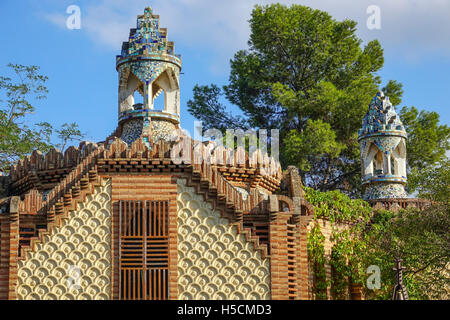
56, 18
410, 28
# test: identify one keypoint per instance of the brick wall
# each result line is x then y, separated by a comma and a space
9, 244
4, 256
305, 275
278, 256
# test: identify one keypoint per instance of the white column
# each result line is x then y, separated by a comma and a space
149, 96
386, 163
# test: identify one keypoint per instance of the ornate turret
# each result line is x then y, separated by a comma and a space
148, 67
382, 141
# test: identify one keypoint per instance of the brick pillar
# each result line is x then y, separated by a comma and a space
9, 246
356, 291
13, 254
278, 251
303, 270
115, 250
278, 257
4, 256
173, 242
298, 258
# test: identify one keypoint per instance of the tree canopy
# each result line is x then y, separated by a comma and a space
427, 143
310, 76
18, 94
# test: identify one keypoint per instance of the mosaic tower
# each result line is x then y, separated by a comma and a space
148, 67
382, 140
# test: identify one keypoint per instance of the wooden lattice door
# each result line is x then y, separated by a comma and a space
144, 250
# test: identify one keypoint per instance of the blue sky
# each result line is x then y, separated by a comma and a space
80, 64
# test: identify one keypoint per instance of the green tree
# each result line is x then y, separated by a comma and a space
303, 71
427, 144
433, 182
207, 107
67, 133
301, 152
18, 94
419, 237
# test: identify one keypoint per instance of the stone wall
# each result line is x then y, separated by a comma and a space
80, 247
214, 261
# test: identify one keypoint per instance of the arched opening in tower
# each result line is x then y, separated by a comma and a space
373, 162
131, 92
139, 98
399, 159
159, 101
165, 93
393, 166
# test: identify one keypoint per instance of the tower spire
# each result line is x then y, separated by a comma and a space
382, 140
148, 67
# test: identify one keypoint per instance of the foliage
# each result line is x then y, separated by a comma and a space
301, 152
316, 252
427, 139
18, 138
307, 71
68, 133
420, 238
309, 76
213, 112
427, 144
336, 206
346, 262
433, 182
393, 90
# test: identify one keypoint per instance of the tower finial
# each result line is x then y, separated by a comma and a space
148, 67
382, 141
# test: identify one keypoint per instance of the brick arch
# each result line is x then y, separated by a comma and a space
307, 209
285, 202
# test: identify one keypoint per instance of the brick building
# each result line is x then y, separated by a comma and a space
121, 219
139, 217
